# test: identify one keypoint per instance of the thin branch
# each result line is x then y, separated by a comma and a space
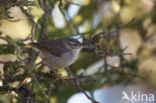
49, 93
75, 82
125, 25
27, 14
41, 5
76, 78
37, 83
69, 21
106, 51
79, 87
32, 30
72, 3
105, 64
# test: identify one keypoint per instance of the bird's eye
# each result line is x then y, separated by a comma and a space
75, 44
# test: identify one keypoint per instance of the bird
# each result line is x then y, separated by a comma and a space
58, 53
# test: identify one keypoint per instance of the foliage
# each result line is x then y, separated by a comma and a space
103, 40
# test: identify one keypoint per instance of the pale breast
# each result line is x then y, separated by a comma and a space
55, 62
70, 57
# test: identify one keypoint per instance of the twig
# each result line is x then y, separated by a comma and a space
106, 51
41, 5
77, 78
95, 39
91, 40
49, 93
37, 83
72, 3
75, 82
79, 87
27, 14
68, 21
32, 30
125, 25
105, 64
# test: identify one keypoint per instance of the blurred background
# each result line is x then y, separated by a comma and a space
127, 28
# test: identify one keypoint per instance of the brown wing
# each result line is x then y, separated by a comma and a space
51, 46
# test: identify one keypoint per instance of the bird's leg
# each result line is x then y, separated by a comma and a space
55, 71
58, 76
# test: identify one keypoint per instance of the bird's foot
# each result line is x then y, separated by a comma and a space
59, 77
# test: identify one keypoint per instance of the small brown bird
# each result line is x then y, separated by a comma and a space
58, 53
